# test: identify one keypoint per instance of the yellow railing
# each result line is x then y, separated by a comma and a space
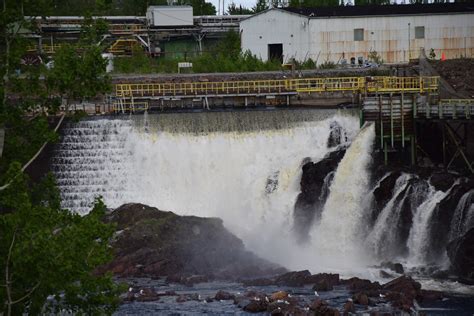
129, 106
303, 85
45, 48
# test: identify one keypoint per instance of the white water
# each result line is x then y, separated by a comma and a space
337, 236
383, 235
463, 218
418, 240
222, 174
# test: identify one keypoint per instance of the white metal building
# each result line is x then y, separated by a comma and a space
350, 33
166, 16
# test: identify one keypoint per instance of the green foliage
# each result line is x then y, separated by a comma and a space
92, 30
50, 252
327, 65
371, 2
78, 75
432, 54
200, 7
260, 6
375, 57
233, 9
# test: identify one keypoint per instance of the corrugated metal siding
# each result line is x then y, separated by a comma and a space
332, 39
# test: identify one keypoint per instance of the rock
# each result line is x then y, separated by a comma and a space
461, 255
430, 295
336, 135
383, 193
361, 298
314, 186
442, 216
256, 306
224, 296
321, 307
402, 291
357, 285
181, 299
395, 267
442, 180
323, 286
385, 275
295, 278
147, 295
209, 299
348, 307
154, 243
329, 278
280, 295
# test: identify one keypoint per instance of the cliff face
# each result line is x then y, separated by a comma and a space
154, 243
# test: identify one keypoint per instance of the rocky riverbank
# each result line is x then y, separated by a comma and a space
193, 251
188, 249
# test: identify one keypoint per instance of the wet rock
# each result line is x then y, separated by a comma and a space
402, 292
314, 183
209, 299
321, 307
383, 193
442, 217
181, 299
461, 255
358, 285
323, 286
224, 296
331, 279
256, 306
348, 308
147, 295
395, 267
361, 298
280, 295
155, 243
283, 308
336, 135
385, 275
442, 180
295, 278
429, 295
195, 279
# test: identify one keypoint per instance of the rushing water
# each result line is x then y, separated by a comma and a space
245, 167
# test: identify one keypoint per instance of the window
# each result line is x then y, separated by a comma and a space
358, 34
419, 32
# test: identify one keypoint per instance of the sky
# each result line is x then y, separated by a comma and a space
244, 3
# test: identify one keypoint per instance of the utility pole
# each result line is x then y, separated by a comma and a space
409, 42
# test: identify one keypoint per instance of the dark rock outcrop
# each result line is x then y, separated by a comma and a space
154, 243
314, 184
461, 255
442, 217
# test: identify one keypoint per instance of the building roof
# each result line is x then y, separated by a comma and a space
398, 9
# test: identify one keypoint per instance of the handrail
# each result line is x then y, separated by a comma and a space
302, 85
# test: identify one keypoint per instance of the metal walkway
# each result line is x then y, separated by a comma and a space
283, 86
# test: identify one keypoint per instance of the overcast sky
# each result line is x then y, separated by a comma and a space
244, 3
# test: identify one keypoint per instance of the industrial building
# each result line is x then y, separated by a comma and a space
350, 34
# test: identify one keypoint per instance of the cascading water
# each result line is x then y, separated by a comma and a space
242, 167
336, 236
245, 167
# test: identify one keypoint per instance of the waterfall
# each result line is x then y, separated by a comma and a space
337, 236
418, 240
243, 167
382, 238
463, 218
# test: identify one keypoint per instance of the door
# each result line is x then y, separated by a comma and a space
275, 52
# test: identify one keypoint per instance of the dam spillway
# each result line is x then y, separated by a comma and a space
246, 168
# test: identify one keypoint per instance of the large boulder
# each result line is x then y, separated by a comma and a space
461, 255
314, 184
154, 243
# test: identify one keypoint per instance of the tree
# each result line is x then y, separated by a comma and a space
79, 75
49, 255
314, 3
200, 7
232, 9
260, 6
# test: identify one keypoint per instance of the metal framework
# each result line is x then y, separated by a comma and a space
303, 85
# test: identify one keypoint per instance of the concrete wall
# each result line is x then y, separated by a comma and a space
274, 27
332, 39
